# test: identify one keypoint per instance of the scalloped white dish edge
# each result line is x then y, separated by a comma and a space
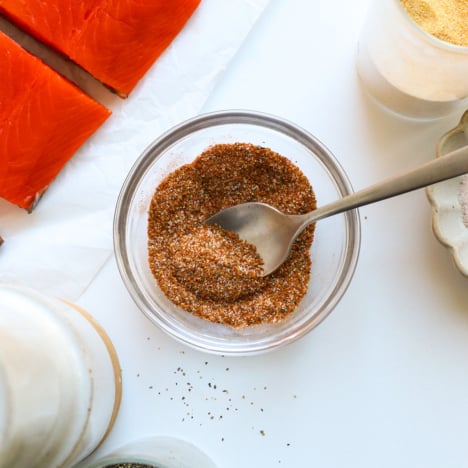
447, 211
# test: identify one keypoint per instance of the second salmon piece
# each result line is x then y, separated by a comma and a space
116, 41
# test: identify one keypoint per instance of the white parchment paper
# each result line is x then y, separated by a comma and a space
60, 247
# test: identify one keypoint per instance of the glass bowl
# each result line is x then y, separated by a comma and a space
334, 251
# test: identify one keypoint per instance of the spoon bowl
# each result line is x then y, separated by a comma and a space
273, 233
268, 229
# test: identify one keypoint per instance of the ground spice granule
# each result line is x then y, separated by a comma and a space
210, 272
445, 19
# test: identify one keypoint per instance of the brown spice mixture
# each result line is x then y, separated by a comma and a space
210, 272
223, 267
445, 19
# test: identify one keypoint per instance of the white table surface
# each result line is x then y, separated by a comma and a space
383, 381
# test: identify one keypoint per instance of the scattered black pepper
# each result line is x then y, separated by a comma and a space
224, 396
210, 272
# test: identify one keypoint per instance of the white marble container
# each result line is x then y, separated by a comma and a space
60, 382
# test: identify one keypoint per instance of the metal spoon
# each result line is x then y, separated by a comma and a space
273, 232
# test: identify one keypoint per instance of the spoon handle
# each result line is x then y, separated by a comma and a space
450, 165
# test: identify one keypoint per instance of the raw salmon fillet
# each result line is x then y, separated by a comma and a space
116, 41
44, 119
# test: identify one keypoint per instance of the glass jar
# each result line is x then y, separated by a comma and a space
153, 452
408, 70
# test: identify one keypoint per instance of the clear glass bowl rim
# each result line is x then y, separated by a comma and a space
219, 118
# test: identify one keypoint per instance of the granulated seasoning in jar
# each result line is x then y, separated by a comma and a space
210, 272
445, 19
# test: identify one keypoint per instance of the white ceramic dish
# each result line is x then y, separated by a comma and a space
447, 211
